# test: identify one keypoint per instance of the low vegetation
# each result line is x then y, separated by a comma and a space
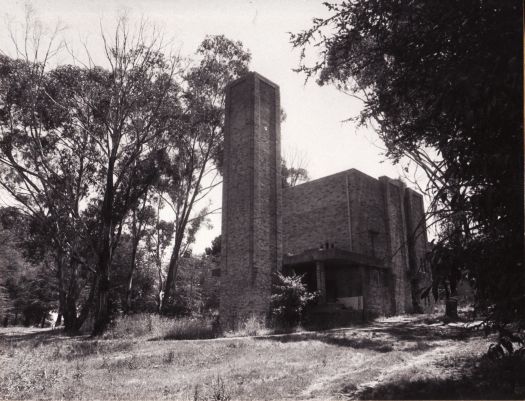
403, 357
159, 327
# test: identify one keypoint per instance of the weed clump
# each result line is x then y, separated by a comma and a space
159, 327
191, 329
139, 325
215, 391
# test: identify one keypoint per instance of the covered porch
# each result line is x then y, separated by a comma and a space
340, 276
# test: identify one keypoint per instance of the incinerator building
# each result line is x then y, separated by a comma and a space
360, 241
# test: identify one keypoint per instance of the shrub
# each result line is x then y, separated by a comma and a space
155, 326
139, 325
215, 391
252, 326
289, 301
191, 328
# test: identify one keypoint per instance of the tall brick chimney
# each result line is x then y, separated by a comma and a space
251, 246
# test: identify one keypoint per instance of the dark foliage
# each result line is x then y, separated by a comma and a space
442, 82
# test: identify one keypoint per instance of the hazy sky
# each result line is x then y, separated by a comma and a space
313, 128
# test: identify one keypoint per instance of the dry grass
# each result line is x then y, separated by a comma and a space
158, 327
347, 363
252, 326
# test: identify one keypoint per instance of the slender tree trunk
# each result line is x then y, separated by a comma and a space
179, 236
160, 294
70, 303
84, 312
451, 308
102, 301
105, 255
130, 276
170, 280
61, 290
169, 288
451, 304
58, 322
70, 316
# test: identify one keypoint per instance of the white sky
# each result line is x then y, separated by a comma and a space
313, 128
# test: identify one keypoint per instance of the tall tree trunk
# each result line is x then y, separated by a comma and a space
61, 290
70, 302
84, 312
70, 315
179, 235
130, 276
170, 281
58, 322
105, 256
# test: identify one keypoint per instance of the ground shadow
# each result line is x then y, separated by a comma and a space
410, 331
481, 378
378, 345
380, 336
37, 337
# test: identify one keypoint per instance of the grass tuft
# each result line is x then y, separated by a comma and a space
190, 329
215, 391
158, 327
252, 326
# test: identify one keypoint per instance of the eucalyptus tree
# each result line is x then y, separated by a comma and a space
80, 146
132, 111
46, 166
196, 160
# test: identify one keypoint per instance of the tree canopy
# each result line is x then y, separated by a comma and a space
92, 155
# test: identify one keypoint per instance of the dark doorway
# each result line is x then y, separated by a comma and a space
331, 289
309, 275
331, 282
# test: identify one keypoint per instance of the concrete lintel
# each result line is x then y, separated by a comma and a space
332, 254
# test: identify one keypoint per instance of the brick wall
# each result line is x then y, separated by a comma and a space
375, 212
314, 213
367, 215
377, 292
329, 208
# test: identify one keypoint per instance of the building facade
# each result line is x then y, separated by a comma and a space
359, 241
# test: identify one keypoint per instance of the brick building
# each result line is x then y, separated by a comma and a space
360, 241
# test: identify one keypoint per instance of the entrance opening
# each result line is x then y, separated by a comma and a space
331, 289
309, 275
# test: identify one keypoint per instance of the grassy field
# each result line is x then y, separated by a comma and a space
402, 357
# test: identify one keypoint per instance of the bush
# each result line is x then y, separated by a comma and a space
290, 300
252, 326
191, 328
215, 391
139, 325
155, 326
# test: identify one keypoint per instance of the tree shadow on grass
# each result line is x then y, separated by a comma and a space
378, 345
480, 378
37, 337
381, 336
409, 331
